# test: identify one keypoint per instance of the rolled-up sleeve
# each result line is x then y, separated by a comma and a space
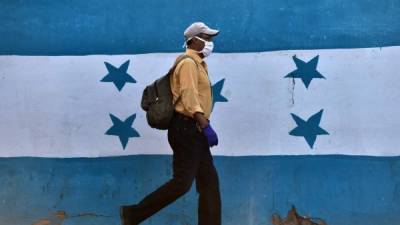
188, 82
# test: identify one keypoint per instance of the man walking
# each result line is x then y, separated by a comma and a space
190, 136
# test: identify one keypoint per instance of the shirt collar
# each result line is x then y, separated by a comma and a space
194, 55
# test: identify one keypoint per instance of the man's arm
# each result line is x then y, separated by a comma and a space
189, 94
188, 81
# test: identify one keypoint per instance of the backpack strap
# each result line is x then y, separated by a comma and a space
171, 71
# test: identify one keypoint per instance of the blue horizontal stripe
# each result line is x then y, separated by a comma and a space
75, 27
340, 189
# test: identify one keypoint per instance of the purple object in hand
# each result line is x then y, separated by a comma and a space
210, 135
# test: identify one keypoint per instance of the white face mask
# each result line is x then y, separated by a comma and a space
208, 47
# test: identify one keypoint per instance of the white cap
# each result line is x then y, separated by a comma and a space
198, 28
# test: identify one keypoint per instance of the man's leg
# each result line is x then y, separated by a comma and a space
207, 185
186, 159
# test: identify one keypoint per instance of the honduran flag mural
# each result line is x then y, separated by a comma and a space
306, 105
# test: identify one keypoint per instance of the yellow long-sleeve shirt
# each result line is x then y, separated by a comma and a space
191, 82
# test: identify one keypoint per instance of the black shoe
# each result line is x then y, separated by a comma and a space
126, 215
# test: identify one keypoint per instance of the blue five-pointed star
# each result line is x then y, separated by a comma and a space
216, 90
123, 129
118, 76
308, 129
305, 71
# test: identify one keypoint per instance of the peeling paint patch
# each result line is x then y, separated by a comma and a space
293, 218
56, 218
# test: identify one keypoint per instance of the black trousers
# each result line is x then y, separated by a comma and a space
192, 160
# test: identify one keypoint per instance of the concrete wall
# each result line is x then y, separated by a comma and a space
59, 166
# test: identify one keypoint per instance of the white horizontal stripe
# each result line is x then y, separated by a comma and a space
57, 106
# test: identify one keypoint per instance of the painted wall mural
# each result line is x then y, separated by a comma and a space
305, 103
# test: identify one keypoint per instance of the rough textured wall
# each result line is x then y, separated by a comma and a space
312, 125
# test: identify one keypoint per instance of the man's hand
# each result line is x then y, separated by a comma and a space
210, 135
208, 131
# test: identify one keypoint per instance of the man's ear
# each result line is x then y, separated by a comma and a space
199, 43
195, 40
193, 43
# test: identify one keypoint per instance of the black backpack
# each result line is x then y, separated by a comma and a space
157, 99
